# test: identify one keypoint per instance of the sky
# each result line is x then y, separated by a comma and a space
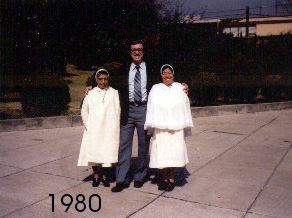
213, 7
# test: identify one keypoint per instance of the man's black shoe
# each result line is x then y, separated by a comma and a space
119, 187
138, 184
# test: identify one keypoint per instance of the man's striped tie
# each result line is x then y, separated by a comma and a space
137, 86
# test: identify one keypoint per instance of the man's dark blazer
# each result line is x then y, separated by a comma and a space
119, 80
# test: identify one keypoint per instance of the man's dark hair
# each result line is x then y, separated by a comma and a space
135, 42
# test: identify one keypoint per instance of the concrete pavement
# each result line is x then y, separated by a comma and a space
240, 166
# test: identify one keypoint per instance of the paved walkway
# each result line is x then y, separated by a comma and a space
240, 166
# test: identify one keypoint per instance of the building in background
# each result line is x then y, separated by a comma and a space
257, 26
260, 26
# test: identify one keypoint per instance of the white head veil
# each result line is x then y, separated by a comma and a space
166, 65
97, 73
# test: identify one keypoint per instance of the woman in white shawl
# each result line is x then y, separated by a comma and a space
101, 117
169, 118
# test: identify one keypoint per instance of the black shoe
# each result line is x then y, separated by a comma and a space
105, 182
170, 186
119, 187
95, 182
163, 185
154, 180
138, 184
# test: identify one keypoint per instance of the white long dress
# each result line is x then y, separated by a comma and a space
101, 117
169, 115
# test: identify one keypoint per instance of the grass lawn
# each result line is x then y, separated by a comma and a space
76, 81
11, 110
11, 85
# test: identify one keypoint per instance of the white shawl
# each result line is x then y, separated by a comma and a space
168, 108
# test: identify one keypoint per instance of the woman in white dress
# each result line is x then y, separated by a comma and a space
169, 119
101, 117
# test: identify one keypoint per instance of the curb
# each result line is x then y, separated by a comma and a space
239, 109
39, 123
71, 121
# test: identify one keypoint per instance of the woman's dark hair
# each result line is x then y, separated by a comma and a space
165, 67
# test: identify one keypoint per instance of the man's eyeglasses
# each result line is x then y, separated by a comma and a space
140, 50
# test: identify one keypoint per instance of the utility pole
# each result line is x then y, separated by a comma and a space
247, 22
276, 7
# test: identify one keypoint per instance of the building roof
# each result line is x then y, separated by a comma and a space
268, 19
195, 19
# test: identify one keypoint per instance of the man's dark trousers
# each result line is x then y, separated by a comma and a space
136, 118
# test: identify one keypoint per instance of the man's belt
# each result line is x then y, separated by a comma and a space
139, 103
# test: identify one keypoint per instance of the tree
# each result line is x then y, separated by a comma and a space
289, 5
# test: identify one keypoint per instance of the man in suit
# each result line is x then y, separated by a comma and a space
133, 95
